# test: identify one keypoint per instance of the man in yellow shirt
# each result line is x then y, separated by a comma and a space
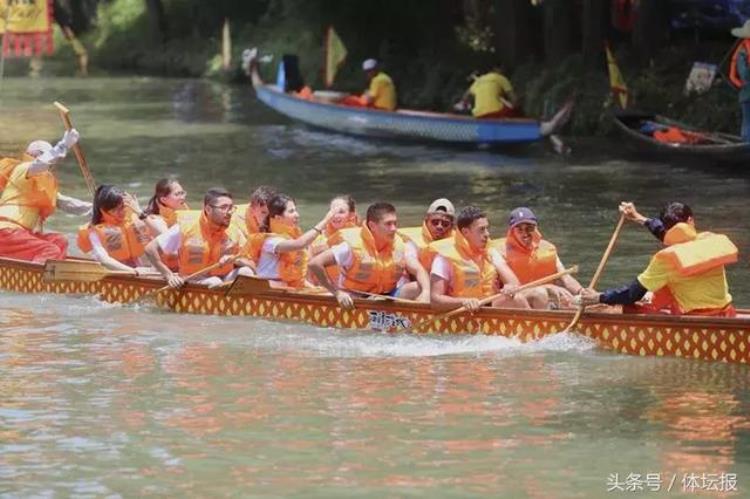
687, 277
382, 91
492, 94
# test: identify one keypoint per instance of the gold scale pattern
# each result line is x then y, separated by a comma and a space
660, 337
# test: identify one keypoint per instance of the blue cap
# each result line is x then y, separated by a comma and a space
521, 215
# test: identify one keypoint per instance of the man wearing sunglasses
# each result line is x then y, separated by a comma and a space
439, 223
530, 257
209, 240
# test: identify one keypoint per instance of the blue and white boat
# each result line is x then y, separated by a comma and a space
323, 111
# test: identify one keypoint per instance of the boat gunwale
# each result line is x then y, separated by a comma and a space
708, 150
655, 320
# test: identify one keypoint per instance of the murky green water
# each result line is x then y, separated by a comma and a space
99, 400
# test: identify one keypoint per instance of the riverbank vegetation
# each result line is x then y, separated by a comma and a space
551, 49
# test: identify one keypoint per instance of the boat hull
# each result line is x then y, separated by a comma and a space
411, 125
714, 339
733, 150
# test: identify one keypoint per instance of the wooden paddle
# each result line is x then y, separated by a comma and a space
599, 270
78, 271
385, 297
202, 271
65, 115
489, 299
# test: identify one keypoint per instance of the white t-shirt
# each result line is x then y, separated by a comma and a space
268, 263
442, 268
171, 240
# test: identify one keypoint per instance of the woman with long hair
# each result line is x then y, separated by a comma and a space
161, 211
115, 237
284, 249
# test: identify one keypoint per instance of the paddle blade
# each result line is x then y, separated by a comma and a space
244, 285
74, 270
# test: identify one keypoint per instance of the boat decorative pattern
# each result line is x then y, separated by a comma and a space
722, 340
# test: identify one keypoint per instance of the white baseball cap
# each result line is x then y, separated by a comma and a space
38, 147
442, 205
369, 64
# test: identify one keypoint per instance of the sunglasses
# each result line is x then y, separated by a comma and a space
437, 222
226, 208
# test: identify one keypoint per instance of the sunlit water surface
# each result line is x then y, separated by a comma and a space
100, 400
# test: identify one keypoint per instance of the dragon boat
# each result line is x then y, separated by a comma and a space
323, 110
703, 338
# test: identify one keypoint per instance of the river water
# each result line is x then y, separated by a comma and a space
102, 400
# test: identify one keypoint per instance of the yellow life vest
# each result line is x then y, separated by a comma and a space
27, 202
470, 279
372, 271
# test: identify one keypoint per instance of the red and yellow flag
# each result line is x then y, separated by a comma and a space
616, 81
26, 27
335, 54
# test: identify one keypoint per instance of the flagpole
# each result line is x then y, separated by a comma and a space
2, 46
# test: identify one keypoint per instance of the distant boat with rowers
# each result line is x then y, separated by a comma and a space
322, 110
658, 137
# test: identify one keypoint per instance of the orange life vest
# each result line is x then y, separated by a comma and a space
203, 244
674, 135
292, 266
30, 202
125, 242
372, 271
170, 214
690, 253
734, 75
529, 264
243, 218
7, 165
474, 275
421, 237
330, 237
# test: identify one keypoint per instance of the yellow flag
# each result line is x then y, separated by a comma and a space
335, 53
616, 82
30, 16
26, 27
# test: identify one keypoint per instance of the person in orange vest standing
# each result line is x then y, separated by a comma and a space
687, 276
531, 257
29, 196
466, 269
739, 75
372, 259
439, 223
198, 244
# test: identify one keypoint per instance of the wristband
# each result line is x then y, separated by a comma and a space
316, 229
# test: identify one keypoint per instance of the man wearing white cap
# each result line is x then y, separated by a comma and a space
439, 223
382, 92
739, 75
30, 195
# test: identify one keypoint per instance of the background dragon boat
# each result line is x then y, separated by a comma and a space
704, 338
323, 111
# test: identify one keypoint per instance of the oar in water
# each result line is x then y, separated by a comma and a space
78, 271
484, 301
191, 276
599, 270
65, 115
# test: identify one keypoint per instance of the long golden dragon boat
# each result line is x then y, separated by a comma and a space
704, 338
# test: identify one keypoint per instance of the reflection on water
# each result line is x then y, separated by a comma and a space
100, 399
